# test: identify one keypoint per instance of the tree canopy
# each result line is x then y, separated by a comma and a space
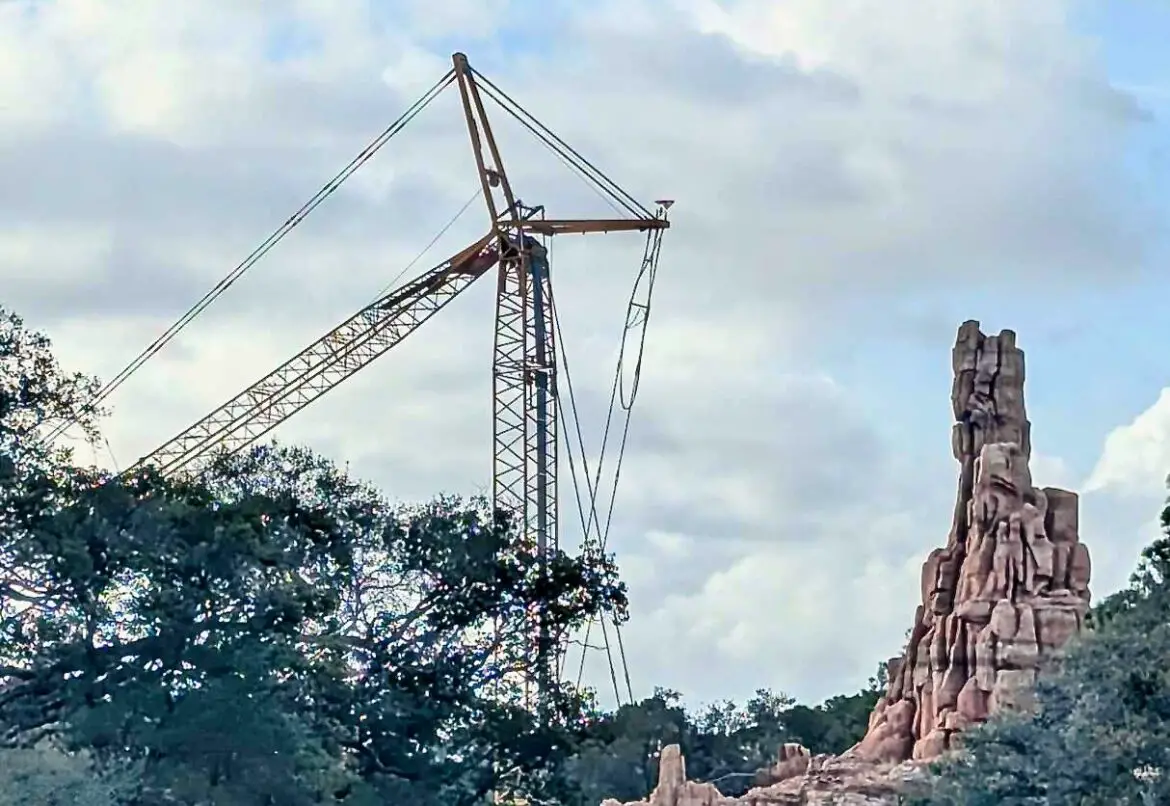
267, 630
724, 743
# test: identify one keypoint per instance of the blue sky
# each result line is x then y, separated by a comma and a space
1115, 336
1120, 333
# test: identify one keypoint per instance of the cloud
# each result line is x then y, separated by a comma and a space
1136, 456
1125, 492
826, 166
1052, 471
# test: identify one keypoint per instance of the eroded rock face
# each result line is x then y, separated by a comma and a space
792, 760
846, 780
1011, 585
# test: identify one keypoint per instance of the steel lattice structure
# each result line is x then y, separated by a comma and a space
325, 363
524, 372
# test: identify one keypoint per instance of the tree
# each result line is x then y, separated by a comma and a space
724, 743
35, 395
729, 743
616, 756
1147, 597
46, 774
1100, 724
270, 628
840, 721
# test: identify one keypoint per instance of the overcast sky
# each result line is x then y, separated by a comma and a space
854, 179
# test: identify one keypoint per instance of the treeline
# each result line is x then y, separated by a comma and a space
726, 744
266, 632
269, 631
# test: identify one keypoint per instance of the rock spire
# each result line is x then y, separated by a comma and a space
1012, 583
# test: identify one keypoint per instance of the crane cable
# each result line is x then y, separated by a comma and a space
637, 317
475, 194
553, 141
592, 493
266, 246
610, 192
581, 514
647, 271
617, 395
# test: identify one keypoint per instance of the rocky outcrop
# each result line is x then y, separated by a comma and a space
792, 760
838, 780
1011, 585
1009, 588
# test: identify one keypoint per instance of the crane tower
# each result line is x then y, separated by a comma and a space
525, 359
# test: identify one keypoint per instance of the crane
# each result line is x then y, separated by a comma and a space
525, 395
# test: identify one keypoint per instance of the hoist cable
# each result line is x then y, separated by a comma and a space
647, 270
542, 132
475, 194
625, 663
577, 172
110, 451
531, 122
266, 246
585, 522
609, 657
593, 488
591, 491
599, 182
584, 177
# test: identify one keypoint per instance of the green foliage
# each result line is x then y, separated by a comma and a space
46, 774
725, 743
616, 756
1146, 599
1105, 716
272, 631
835, 725
269, 631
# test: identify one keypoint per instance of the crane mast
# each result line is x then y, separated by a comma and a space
524, 413
524, 356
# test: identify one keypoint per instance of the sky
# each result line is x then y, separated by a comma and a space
853, 180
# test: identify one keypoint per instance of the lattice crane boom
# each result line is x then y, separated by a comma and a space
325, 363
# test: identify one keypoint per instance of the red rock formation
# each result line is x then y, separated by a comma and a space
792, 760
823, 781
1012, 584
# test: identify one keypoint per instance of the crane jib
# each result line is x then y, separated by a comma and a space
324, 364
525, 362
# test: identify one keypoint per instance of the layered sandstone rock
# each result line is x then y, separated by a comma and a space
1012, 583
846, 780
792, 760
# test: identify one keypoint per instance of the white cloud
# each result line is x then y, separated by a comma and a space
1136, 456
1052, 471
1125, 493
824, 162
